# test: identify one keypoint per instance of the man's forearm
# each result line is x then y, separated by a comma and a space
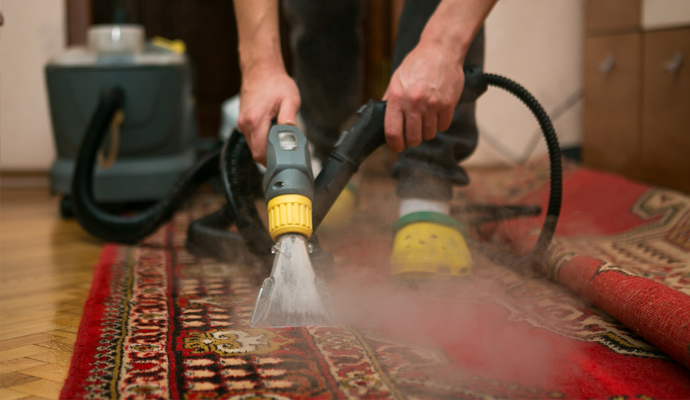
259, 34
455, 23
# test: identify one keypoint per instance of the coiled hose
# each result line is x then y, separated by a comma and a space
241, 181
117, 228
209, 235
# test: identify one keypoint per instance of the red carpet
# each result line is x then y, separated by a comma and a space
613, 321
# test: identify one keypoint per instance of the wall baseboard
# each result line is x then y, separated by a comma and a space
24, 180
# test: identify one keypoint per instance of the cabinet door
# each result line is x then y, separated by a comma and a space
665, 143
612, 102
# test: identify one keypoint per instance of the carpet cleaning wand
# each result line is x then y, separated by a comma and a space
292, 295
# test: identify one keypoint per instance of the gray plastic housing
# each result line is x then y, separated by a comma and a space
158, 136
288, 163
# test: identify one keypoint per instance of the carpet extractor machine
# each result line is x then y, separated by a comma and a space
152, 136
288, 252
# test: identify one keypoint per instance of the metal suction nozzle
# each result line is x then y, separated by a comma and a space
293, 295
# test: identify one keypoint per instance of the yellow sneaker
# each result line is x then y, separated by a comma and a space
429, 244
341, 211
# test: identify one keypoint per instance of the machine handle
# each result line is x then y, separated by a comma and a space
475, 84
288, 163
365, 136
367, 133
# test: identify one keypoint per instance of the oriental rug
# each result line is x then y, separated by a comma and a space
606, 317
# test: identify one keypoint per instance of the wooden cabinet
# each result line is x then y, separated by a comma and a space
665, 145
611, 106
637, 97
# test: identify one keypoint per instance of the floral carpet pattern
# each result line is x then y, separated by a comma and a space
608, 316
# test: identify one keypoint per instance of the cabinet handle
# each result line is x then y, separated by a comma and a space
674, 63
607, 64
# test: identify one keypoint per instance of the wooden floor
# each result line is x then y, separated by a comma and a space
46, 265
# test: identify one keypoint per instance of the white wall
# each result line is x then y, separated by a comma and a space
660, 14
34, 30
539, 44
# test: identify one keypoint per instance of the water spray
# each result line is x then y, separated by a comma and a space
292, 295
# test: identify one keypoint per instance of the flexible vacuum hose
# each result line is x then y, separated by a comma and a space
117, 228
208, 235
238, 172
556, 175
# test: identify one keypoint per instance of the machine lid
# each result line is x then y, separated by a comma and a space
79, 56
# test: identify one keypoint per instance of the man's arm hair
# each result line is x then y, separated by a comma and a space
258, 33
455, 23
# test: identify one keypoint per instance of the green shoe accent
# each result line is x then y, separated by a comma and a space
428, 216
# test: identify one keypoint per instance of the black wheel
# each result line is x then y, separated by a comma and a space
66, 207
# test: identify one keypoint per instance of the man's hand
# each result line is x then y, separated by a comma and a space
422, 96
266, 94
267, 91
426, 87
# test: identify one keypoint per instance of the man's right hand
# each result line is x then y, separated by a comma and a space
267, 93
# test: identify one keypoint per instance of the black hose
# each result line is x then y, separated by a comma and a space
239, 172
209, 236
118, 228
553, 210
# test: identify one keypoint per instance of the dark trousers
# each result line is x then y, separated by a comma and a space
326, 43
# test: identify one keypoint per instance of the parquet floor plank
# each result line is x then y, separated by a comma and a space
8, 394
20, 352
64, 334
18, 364
58, 345
54, 373
26, 340
55, 357
15, 378
41, 388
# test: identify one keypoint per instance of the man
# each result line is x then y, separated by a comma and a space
435, 39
